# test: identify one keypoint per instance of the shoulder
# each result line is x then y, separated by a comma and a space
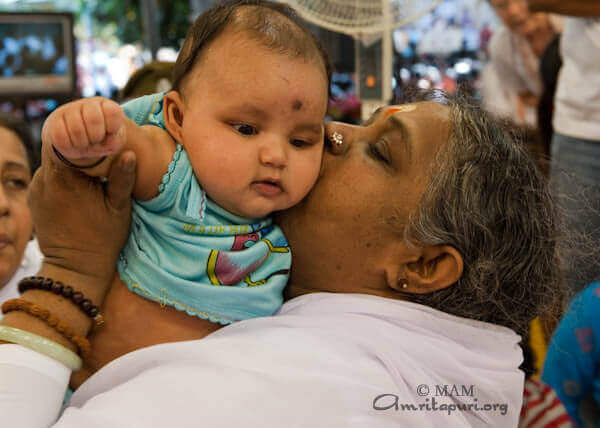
141, 110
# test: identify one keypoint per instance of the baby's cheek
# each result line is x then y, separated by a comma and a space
312, 168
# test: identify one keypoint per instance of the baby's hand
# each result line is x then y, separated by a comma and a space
87, 128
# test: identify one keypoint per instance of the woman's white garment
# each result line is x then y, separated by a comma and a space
577, 100
30, 265
330, 360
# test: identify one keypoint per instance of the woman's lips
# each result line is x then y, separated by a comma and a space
267, 188
5, 241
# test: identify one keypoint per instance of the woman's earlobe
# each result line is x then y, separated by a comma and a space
439, 267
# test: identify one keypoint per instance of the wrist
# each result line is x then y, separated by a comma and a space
94, 287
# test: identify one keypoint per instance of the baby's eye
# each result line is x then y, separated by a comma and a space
245, 129
299, 143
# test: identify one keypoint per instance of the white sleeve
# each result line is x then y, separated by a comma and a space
32, 387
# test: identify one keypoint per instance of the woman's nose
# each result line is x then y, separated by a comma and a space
4, 202
339, 136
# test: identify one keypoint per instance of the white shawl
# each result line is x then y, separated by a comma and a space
321, 362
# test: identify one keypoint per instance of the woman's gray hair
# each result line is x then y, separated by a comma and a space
488, 199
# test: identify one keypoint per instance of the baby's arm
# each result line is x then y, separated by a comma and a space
86, 130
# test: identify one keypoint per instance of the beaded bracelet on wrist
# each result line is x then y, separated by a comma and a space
66, 291
82, 344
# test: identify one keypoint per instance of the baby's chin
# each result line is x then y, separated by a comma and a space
261, 212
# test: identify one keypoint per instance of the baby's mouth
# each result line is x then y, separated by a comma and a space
268, 187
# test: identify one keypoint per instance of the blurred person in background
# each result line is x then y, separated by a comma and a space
151, 78
20, 255
575, 168
513, 84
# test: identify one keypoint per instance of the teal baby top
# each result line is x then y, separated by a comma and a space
186, 251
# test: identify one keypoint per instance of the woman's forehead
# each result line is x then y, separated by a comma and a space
422, 111
400, 109
12, 148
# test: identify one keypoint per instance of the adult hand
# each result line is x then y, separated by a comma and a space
582, 8
82, 223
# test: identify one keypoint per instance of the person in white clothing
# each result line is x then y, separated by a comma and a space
426, 246
575, 168
20, 255
515, 50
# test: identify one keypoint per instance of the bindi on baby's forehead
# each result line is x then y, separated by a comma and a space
297, 105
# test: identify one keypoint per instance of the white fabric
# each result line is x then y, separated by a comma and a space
515, 61
496, 98
30, 265
320, 362
577, 100
517, 71
32, 387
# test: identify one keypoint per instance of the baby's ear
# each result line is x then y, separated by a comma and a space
173, 110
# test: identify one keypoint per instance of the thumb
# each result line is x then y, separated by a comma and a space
121, 180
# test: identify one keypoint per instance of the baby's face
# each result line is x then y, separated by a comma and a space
253, 125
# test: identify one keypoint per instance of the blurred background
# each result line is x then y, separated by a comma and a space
111, 39
53, 51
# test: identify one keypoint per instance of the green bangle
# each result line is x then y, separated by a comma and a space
42, 345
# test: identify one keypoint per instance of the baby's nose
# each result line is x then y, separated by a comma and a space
273, 154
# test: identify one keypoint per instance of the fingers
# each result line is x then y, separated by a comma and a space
121, 180
92, 117
86, 128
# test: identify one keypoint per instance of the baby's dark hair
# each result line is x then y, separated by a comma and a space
275, 25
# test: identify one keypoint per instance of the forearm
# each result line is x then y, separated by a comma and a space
93, 288
581, 8
33, 385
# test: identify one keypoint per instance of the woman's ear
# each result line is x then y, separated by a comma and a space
173, 110
437, 267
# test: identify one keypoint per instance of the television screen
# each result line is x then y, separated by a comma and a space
36, 55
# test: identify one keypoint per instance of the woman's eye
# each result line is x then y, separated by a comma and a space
16, 183
377, 152
245, 129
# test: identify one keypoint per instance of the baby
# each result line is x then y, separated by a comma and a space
239, 137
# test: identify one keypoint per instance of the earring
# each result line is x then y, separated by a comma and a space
404, 284
337, 138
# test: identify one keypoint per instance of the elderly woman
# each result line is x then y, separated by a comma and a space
428, 241
19, 252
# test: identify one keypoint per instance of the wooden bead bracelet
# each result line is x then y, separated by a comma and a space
57, 287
